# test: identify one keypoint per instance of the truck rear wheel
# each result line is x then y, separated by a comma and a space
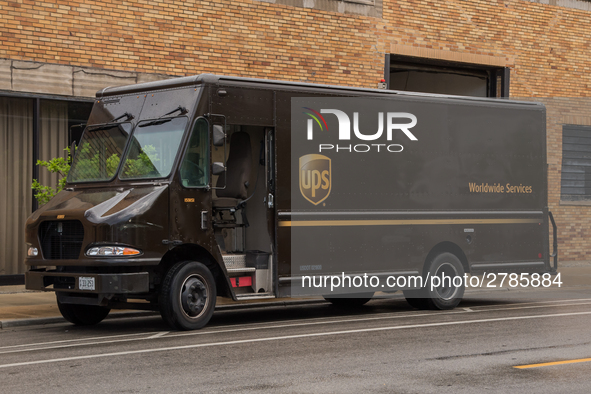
83, 315
188, 296
445, 269
448, 295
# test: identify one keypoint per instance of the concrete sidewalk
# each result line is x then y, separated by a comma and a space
19, 306
18, 303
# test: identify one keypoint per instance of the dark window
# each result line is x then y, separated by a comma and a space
576, 163
194, 170
99, 154
153, 148
446, 77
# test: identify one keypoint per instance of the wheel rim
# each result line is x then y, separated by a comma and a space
446, 290
194, 296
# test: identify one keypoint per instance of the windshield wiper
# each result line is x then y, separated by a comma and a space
179, 108
159, 121
155, 122
105, 127
127, 114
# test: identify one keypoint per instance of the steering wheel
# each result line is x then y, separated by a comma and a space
200, 172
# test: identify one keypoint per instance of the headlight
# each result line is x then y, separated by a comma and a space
112, 251
32, 252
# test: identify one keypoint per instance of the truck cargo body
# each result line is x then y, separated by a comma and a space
197, 187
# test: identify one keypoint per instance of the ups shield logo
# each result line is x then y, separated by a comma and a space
315, 177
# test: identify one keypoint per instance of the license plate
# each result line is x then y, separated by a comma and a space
86, 283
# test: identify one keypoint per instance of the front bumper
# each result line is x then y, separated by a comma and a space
84, 261
130, 283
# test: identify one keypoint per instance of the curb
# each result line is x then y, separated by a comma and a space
59, 319
122, 315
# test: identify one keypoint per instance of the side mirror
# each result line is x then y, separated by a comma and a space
219, 136
218, 168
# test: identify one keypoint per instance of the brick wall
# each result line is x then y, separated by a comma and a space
247, 38
547, 48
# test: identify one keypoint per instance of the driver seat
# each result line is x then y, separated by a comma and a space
238, 169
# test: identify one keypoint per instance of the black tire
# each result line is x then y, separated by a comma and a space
445, 297
350, 302
416, 298
188, 296
83, 315
442, 297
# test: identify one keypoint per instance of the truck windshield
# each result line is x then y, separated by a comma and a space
99, 153
153, 148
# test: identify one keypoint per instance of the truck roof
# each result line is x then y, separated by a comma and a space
256, 82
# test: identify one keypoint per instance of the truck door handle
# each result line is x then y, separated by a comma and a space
203, 220
270, 201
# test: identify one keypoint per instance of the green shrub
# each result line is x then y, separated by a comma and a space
57, 165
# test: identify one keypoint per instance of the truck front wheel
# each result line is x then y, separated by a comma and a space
82, 315
188, 296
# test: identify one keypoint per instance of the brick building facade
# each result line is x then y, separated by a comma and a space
64, 51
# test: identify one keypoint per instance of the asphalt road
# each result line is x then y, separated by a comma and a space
384, 347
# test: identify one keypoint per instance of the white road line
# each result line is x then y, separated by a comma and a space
32, 349
538, 302
75, 340
390, 316
287, 324
285, 337
158, 335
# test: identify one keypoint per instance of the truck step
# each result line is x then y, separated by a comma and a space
255, 296
234, 261
244, 269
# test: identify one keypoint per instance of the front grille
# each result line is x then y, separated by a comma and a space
60, 282
61, 240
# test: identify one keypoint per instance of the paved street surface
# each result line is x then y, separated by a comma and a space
384, 347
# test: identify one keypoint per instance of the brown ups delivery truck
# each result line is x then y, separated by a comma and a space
189, 189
